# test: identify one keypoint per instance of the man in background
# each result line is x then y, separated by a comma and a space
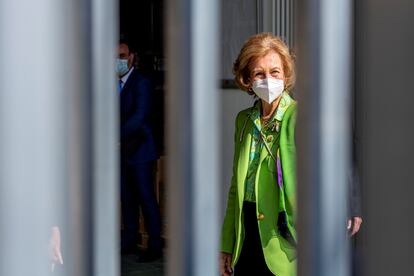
138, 153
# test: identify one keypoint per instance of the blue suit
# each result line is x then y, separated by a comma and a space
138, 144
138, 152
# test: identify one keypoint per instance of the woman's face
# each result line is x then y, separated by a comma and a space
267, 66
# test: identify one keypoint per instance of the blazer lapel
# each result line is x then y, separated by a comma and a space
270, 141
127, 86
243, 161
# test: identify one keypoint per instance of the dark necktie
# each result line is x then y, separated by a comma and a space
120, 86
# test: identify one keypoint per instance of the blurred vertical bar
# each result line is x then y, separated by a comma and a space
324, 58
31, 132
291, 26
106, 220
259, 16
268, 13
205, 110
282, 19
384, 83
45, 134
77, 61
192, 132
276, 16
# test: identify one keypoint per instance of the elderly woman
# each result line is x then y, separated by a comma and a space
259, 235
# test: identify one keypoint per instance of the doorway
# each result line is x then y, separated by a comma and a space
141, 23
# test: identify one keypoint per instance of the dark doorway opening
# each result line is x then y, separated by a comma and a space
142, 25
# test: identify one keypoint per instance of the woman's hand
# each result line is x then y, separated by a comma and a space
354, 224
54, 247
225, 264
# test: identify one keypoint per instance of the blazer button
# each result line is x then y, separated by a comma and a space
260, 217
269, 138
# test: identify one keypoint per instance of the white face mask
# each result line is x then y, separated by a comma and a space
268, 89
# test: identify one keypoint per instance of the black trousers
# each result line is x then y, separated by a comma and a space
251, 260
137, 190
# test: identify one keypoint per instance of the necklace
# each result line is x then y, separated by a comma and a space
264, 120
270, 124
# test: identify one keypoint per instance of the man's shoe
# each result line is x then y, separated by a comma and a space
150, 255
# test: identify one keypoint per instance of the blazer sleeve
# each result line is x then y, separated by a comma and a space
288, 158
142, 102
228, 233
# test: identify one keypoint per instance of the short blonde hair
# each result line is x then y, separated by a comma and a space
258, 46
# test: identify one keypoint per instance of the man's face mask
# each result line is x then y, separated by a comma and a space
268, 89
121, 66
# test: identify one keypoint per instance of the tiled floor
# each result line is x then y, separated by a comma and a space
130, 267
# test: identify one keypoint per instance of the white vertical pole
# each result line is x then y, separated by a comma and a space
31, 132
324, 42
44, 134
105, 137
205, 133
192, 131
76, 59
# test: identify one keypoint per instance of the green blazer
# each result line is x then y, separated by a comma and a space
280, 255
